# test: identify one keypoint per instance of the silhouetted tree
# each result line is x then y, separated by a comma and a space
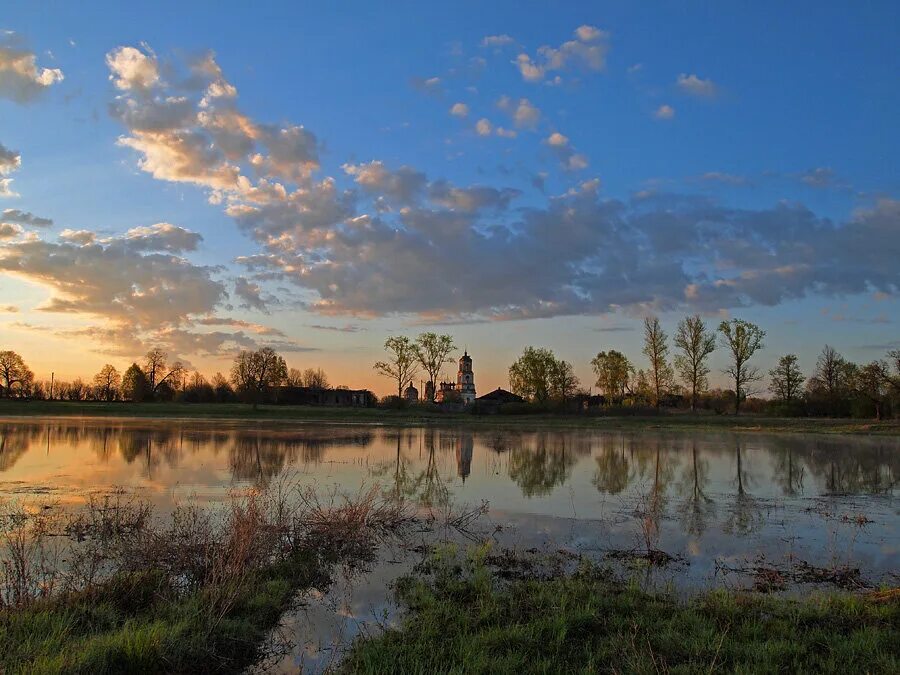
135, 386
743, 339
254, 373
158, 372
870, 384
656, 349
432, 352
695, 344
15, 376
539, 376
563, 382
402, 362
786, 378
107, 383
224, 392
315, 378
830, 380
613, 371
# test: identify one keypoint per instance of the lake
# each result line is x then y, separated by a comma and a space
718, 503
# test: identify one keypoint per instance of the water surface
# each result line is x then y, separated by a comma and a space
716, 501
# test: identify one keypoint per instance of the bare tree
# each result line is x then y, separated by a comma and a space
743, 339
432, 352
893, 379
656, 349
786, 378
107, 383
14, 374
253, 373
294, 378
402, 363
695, 344
157, 371
831, 378
870, 383
315, 378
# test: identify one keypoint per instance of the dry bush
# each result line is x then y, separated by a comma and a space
213, 549
29, 564
342, 525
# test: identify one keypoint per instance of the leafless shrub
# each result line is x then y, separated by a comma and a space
29, 567
342, 525
210, 548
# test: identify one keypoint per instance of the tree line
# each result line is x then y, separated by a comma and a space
253, 374
677, 375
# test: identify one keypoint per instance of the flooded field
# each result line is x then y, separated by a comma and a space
706, 509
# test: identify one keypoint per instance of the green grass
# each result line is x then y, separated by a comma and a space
425, 416
136, 623
588, 623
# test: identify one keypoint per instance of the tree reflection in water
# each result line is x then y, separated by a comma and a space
540, 468
537, 462
697, 507
613, 472
744, 514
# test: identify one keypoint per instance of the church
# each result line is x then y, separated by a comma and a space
463, 390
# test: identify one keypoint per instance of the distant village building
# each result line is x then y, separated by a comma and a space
463, 390
411, 394
500, 396
491, 403
429, 391
355, 398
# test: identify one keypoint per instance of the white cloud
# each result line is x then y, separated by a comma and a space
557, 139
587, 52
130, 68
821, 177
696, 86
196, 134
9, 230
483, 127
365, 250
427, 85
128, 279
459, 110
561, 147
10, 160
726, 178
589, 33
21, 79
497, 41
524, 114
664, 112
24, 218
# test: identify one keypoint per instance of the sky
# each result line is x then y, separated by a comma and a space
316, 177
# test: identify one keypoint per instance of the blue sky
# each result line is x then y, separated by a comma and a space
725, 159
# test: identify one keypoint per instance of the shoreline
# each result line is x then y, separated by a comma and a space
16, 411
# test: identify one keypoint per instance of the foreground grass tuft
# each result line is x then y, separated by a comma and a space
138, 623
467, 622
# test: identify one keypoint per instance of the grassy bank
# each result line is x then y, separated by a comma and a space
140, 623
416, 415
587, 622
112, 589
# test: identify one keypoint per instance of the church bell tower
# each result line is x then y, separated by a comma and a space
465, 379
